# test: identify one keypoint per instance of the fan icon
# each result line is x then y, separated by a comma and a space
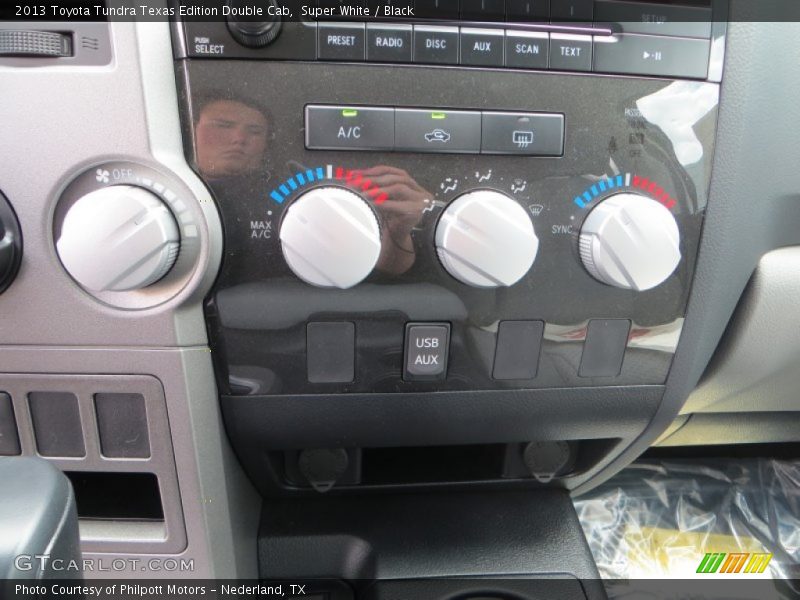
102, 175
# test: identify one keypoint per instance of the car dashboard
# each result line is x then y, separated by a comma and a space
276, 289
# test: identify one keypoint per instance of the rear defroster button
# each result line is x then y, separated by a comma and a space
426, 351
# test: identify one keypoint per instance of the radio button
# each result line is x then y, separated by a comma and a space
344, 128
529, 134
436, 45
527, 50
426, 351
456, 131
341, 41
482, 47
570, 52
390, 43
652, 55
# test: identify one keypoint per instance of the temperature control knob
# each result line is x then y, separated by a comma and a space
486, 239
331, 238
118, 238
630, 241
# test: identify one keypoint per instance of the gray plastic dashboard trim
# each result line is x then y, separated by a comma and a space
766, 323
67, 118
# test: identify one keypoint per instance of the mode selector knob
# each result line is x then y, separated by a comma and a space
118, 238
331, 238
486, 239
630, 241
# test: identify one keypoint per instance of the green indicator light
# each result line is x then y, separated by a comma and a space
438, 115
349, 112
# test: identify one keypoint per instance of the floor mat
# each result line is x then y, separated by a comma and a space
682, 519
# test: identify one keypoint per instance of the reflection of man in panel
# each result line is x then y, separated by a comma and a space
231, 138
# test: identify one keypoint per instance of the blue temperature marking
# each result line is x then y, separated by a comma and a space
579, 202
587, 197
310, 175
602, 184
276, 196
594, 191
292, 183
619, 180
284, 189
300, 179
320, 173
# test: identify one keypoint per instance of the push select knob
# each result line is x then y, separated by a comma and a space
630, 241
486, 239
118, 238
253, 31
330, 238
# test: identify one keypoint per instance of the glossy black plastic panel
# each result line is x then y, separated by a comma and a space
649, 136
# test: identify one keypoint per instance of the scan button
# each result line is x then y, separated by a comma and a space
456, 131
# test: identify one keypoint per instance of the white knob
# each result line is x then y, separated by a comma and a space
331, 238
118, 238
486, 239
630, 241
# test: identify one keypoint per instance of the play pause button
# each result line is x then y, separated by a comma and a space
652, 55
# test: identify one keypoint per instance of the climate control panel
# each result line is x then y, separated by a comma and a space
503, 231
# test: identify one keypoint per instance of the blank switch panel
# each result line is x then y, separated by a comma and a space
604, 348
517, 352
56, 423
122, 424
9, 441
111, 431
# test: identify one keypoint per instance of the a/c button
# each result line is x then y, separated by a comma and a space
349, 128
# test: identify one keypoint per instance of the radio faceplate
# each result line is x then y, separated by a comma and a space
651, 137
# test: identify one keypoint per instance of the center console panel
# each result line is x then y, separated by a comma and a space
521, 545
428, 253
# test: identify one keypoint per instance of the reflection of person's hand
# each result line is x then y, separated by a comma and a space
400, 213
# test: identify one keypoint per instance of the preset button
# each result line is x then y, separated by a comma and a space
341, 41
